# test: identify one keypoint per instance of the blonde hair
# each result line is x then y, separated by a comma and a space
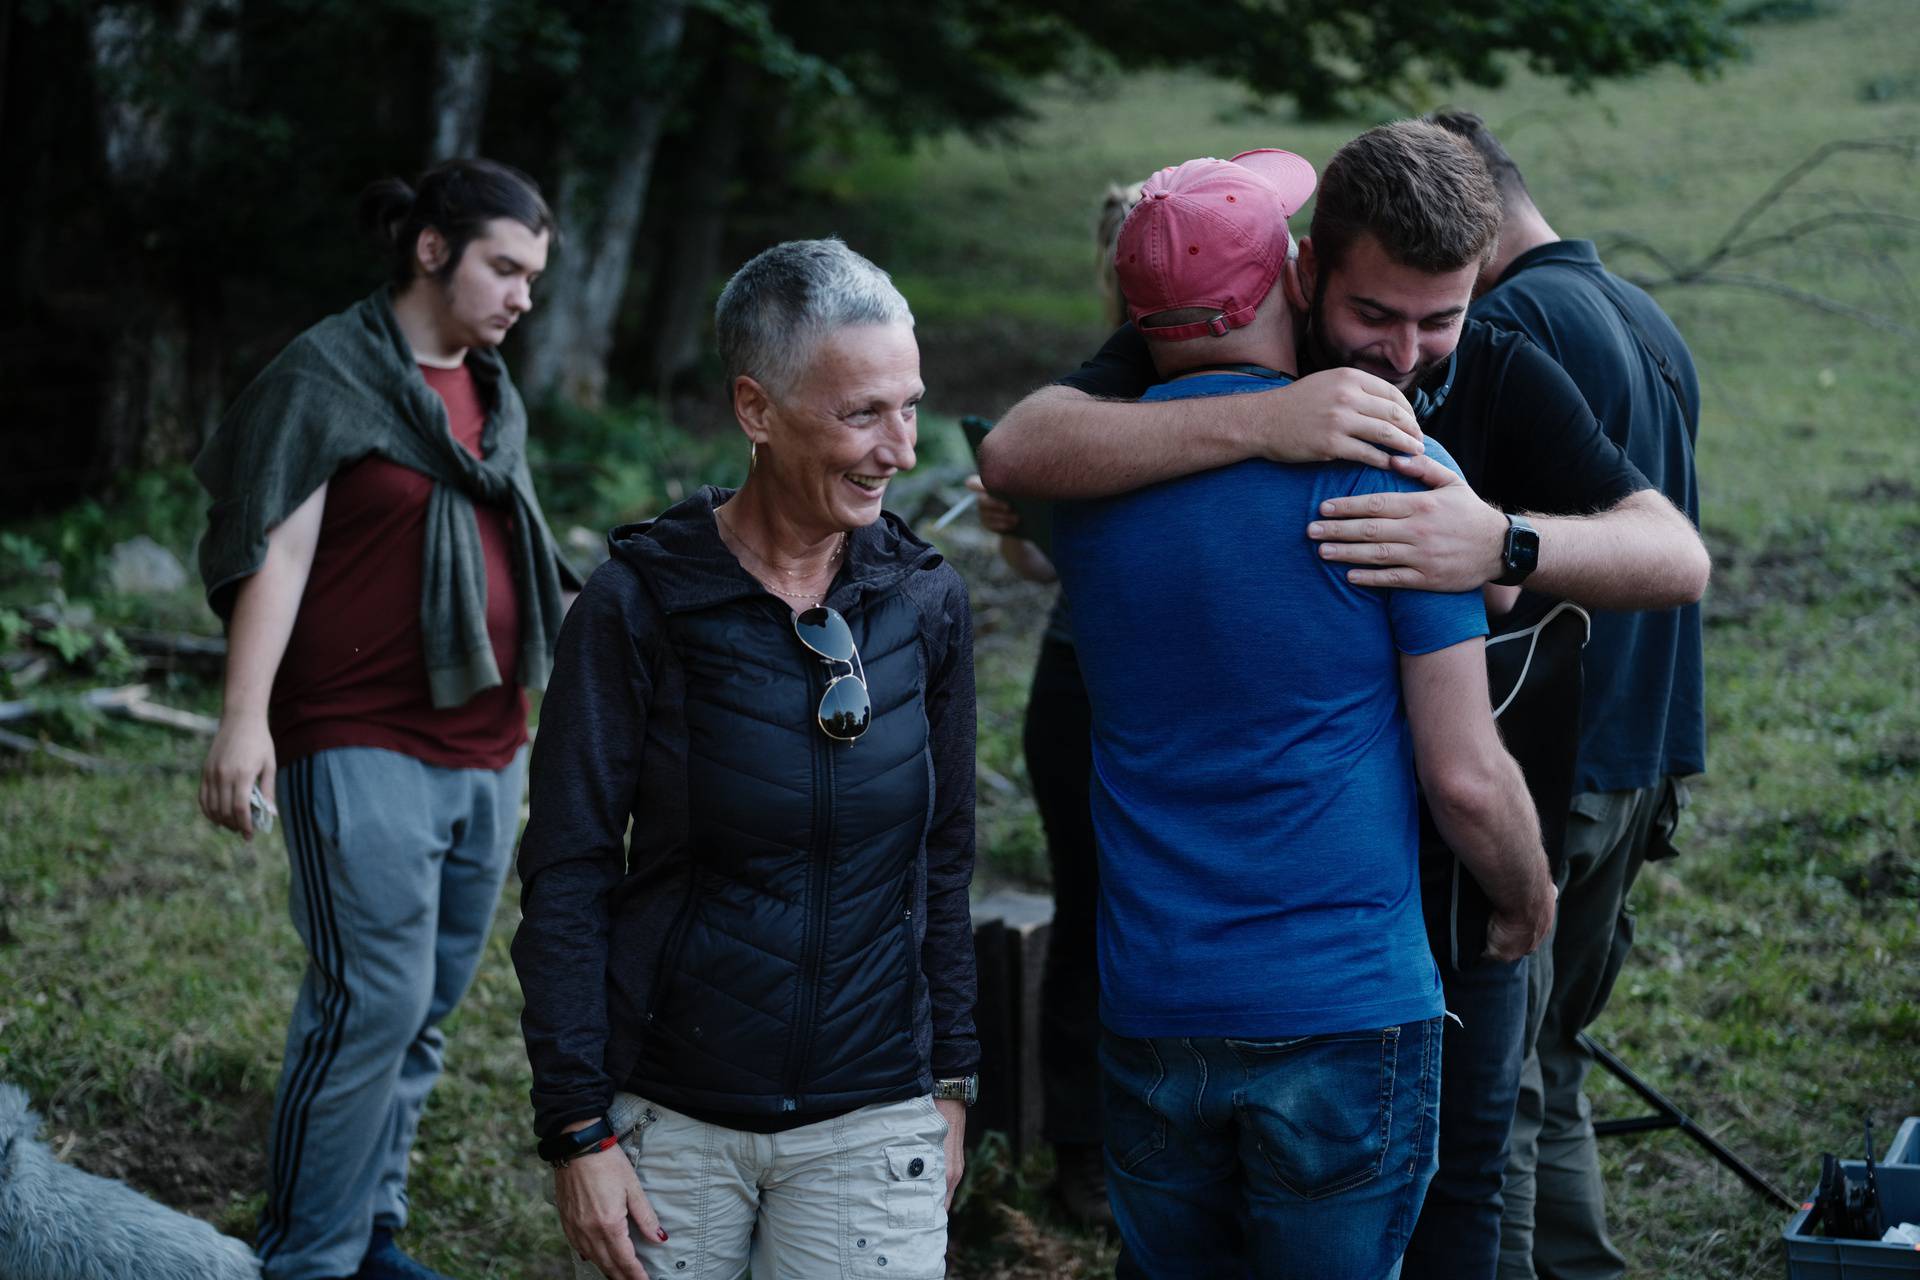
1114, 208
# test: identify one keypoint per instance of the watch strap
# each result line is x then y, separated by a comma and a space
561, 1148
962, 1089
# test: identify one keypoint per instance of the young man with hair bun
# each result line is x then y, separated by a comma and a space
389, 590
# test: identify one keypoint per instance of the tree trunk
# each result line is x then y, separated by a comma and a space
462, 74
566, 353
157, 400
132, 135
691, 232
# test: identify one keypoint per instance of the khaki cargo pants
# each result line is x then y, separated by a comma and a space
861, 1195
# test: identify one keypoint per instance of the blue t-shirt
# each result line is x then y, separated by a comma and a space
1253, 791
1643, 716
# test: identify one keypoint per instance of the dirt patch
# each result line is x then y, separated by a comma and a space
196, 1157
136, 880
1745, 582
1889, 874
1899, 758
1026, 1249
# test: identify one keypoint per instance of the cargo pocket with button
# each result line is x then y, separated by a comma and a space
912, 1196
913, 1244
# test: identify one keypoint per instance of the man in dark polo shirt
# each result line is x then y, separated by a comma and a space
389, 589
1643, 722
1552, 502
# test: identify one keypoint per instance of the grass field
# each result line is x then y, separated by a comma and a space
146, 964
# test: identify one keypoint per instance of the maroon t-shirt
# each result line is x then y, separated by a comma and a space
355, 672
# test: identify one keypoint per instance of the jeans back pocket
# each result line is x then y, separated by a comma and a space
1131, 1074
1320, 1108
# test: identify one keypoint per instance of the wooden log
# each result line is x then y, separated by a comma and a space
24, 670
992, 1020
65, 755
1011, 929
177, 648
172, 717
98, 699
130, 701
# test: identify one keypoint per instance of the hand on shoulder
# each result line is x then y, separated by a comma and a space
1340, 415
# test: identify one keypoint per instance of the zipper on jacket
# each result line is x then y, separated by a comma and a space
820, 860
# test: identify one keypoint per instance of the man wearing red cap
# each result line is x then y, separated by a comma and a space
1405, 218
1272, 1013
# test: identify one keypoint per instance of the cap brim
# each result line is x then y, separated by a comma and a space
1292, 175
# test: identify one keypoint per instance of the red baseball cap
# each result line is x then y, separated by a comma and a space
1213, 234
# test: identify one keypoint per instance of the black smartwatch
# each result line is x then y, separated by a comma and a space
962, 1089
1519, 554
562, 1148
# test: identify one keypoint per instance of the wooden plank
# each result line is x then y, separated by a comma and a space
1011, 928
992, 1019
1028, 945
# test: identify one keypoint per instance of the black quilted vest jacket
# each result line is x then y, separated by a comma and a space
789, 979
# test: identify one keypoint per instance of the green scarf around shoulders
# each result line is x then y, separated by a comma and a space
348, 387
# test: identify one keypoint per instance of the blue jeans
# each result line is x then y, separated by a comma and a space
1270, 1158
1458, 1235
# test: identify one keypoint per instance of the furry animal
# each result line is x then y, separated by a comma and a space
58, 1223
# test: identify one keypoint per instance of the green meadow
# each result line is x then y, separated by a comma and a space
146, 963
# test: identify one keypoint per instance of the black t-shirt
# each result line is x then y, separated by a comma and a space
1514, 421
1645, 716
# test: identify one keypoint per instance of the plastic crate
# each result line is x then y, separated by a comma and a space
1817, 1258
1906, 1143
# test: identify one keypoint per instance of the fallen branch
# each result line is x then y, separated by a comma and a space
95, 699
179, 646
171, 717
1905, 148
130, 701
1806, 297
1736, 243
65, 755
165, 650
25, 670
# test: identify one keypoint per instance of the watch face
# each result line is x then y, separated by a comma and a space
1519, 553
1523, 549
963, 1090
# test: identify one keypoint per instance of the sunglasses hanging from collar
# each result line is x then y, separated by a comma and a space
845, 709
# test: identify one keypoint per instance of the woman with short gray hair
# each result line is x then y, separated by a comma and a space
752, 1031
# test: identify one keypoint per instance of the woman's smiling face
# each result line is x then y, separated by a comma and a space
833, 440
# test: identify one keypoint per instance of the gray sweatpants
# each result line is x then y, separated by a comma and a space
397, 867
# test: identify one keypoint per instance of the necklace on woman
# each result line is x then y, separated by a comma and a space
785, 591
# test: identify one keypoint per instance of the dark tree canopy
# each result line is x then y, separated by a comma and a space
1334, 57
181, 172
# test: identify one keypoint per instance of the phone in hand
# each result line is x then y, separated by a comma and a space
1036, 516
260, 811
